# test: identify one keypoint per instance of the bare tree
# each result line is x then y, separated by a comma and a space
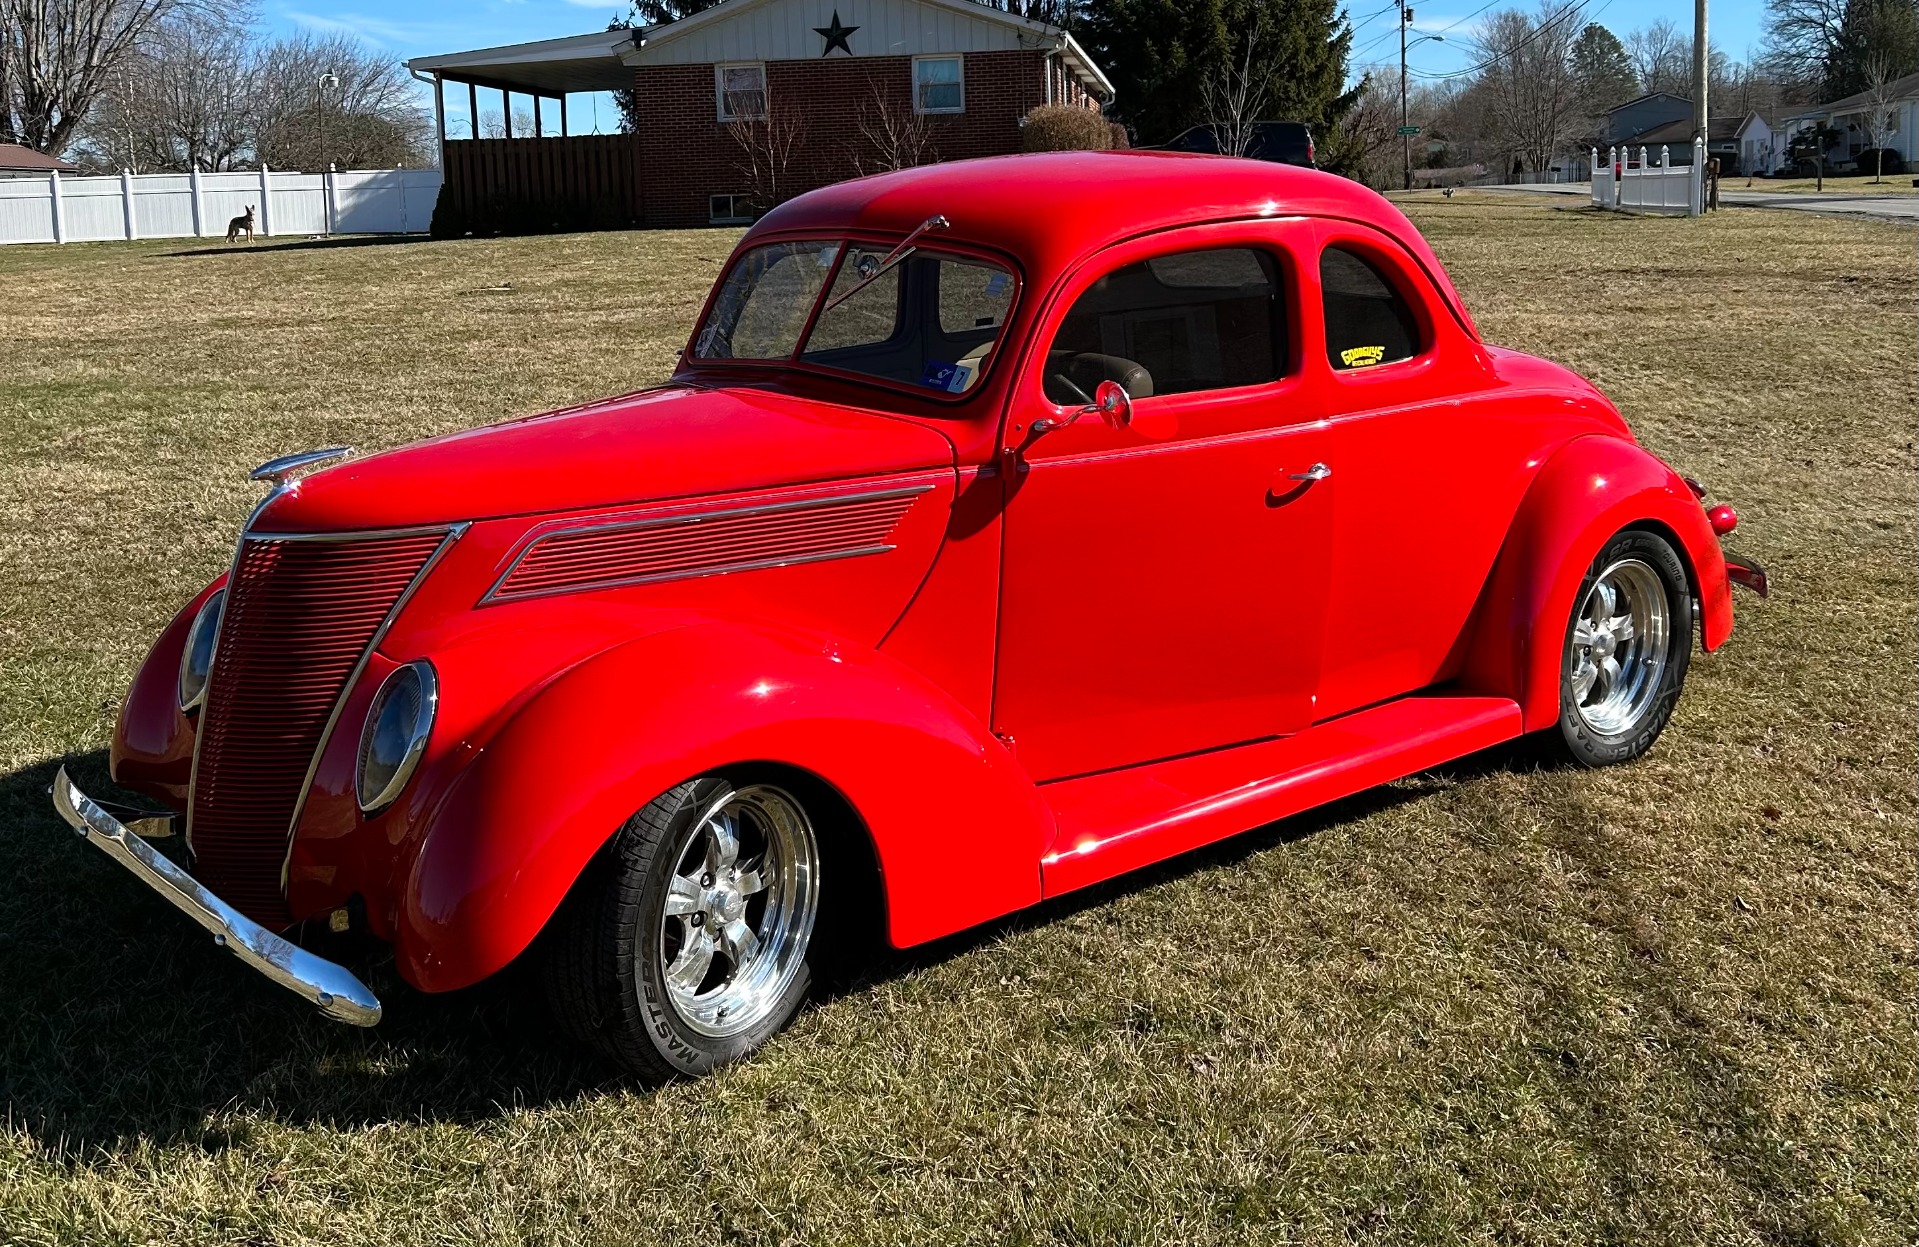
1661, 58
333, 100
1880, 115
183, 101
1233, 94
57, 58
1530, 89
892, 133
767, 136
1802, 37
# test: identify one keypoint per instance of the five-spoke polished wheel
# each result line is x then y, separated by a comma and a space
685, 945
739, 909
1626, 650
1619, 646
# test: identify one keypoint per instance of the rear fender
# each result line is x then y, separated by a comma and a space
956, 826
1591, 488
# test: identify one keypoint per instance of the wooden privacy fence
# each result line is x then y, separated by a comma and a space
1628, 184
532, 185
199, 205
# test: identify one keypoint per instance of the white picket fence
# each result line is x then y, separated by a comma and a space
199, 205
1628, 184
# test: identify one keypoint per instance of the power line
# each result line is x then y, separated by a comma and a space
1541, 29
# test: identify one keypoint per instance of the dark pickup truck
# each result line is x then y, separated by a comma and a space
1283, 142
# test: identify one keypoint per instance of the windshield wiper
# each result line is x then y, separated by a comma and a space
892, 259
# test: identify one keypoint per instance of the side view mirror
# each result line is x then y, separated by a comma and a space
1111, 403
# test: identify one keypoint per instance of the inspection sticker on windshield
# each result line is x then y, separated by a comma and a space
828, 254
949, 377
996, 285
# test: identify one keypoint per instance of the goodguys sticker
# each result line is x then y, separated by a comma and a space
1362, 356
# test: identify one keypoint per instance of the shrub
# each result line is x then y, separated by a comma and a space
1868, 160
1065, 128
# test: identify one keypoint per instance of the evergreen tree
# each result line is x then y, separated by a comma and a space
1160, 54
1602, 69
1871, 33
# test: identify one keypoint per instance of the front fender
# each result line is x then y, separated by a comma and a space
1590, 489
956, 825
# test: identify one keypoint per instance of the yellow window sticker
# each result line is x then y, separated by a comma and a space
1362, 356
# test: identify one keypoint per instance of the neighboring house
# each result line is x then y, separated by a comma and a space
1762, 138
1851, 117
1624, 122
1675, 137
23, 162
748, 103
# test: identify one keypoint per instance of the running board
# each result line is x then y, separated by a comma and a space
1121, 820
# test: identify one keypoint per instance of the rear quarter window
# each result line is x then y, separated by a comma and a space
1369, 321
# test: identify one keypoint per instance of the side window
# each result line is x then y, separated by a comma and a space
1192, 320
1368, 321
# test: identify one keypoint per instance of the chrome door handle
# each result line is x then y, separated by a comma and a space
1318, 472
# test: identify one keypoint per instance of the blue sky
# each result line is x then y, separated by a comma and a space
422, 27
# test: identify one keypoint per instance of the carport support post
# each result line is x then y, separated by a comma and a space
59, 208
473, 111
562, 115
126, 201
266, 201
199, 202
506, 110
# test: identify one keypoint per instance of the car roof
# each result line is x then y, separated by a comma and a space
1050, 209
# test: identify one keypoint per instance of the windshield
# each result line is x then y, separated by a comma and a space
928, 320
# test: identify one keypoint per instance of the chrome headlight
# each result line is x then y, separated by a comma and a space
196, 660
395, 734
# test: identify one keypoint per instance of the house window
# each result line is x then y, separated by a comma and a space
730, 209
938, 85
740, 91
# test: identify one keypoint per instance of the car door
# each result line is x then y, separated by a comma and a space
1163, 580
1430, 470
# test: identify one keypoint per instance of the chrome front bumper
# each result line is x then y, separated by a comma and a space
334, 989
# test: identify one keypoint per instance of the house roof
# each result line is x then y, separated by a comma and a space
1898, 89
15, 158
605, 60
1650, 95
1718, 130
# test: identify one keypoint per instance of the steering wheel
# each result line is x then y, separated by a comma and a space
1067, 381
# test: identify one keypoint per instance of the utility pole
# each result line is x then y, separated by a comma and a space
1701, 71
1405, 140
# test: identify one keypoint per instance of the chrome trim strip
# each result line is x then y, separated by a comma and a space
722, 569
691, 519
453, 534
358, 534
339, 994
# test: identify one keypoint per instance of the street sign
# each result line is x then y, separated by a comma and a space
1407, 132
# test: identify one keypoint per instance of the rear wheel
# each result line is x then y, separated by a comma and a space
1626, 650
686, 945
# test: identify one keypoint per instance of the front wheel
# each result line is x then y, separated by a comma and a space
686, 945
1626, 650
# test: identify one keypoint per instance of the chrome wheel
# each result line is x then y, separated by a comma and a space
739, 909
1620, 640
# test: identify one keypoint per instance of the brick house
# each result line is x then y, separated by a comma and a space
746, 104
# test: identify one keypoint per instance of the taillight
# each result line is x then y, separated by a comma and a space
1312, 153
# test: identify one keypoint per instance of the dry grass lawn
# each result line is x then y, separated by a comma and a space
1672, 1002
1849, 184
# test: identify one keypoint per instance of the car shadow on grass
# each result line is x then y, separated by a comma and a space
126, 1024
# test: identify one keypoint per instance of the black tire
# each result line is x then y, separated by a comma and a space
1589, 743
605, 969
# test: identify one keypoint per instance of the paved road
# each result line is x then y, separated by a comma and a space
1899, 208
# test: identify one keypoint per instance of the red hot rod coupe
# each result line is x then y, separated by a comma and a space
1007, 525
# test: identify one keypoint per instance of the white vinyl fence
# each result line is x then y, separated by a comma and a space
1629, 183
199, 205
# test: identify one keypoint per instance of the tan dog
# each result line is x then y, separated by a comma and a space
242, 224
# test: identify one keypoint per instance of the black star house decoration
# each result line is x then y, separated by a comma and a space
835, 35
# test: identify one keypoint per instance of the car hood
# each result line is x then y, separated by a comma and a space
676, 442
